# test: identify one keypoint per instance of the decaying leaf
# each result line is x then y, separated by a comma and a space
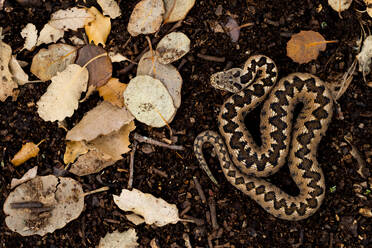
18, 74
7, 84
176, 10
28, 150
305, 46
47, 62
172, 47
99, 29
30, 174
365, 56
117, 57
146, 17
100, 69
73, 150
49, 34
167, 74
43, 204
127, 239
101, 120
154, 210
72, 18
233, 28
113, 92
110, 8
30, 34
339, 5
149, 101
62, 96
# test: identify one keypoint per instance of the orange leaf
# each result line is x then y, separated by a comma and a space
113, 92
305, 46
28, 150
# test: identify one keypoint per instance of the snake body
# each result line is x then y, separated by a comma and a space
244, 163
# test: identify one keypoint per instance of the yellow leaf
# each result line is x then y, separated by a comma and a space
113, 92
73, 150
99, 29
28, 150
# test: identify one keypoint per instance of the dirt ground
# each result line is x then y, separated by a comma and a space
241, 222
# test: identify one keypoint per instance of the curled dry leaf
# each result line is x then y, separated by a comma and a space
73, 150
47, 62
28, 150
30, 34
149, 101
154, 210
113, 92
7, 84
62, 96
110, 8
72, 18
176, 10
101, 120
43, 204
305, 46
30, 174
100, 69
127, 239
339, 5
365, 56
49, 34
99, 29
117, 57
18, 74
172, 47
167, 74
146, 17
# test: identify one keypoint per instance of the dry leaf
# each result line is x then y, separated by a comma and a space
365, 56
117, 239
146, 17
339, 5
116, 143
366, 212
77, 41
176, 10
154, 210
149, 101
101, 120
73, 150
30, 174
7, 84
49, 34
18, 74
167, 74
172, 47
62, 96
369, 7
113, 92
92, 162
30, 34
100, 70
234, 30
305, 46
135, 219
99, 29
28, 150
72, 18
117, 57
62, 200
47, 62
110, 8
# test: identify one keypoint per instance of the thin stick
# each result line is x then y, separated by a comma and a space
200, 190
212, 207
96, 191
211, 58
144, 139
131, 165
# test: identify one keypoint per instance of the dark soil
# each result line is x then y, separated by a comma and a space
242, 223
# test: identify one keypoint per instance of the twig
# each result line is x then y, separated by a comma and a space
212, 207
187, 209
211, 58
144, 139
186, 237
27, 204
198, 222
96, 191
131, 165
200, 190
159, 172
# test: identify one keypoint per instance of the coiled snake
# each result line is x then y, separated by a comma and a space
244, 163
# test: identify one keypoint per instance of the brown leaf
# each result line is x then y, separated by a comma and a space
113, 92
28, 150
305, 46
100, 69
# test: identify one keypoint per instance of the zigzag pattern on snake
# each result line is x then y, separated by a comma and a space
244, 163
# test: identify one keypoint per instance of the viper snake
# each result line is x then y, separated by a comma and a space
244, 163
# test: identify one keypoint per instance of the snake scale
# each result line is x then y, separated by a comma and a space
244, 163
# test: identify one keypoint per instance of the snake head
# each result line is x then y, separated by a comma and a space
229, 80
